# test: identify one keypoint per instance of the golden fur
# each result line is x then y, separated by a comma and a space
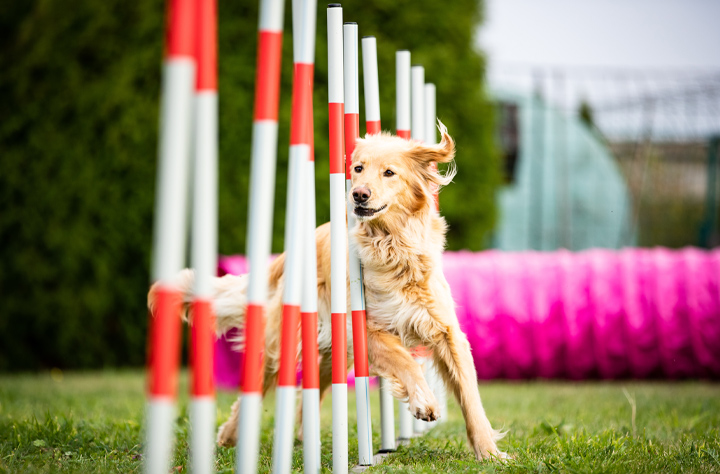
399, 239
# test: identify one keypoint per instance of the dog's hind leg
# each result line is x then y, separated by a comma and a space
393, 362
454, 362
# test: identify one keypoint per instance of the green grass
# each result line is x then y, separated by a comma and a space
92, 422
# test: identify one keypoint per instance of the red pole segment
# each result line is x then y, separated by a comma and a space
338, 238
260, 217
402, 93
169, 232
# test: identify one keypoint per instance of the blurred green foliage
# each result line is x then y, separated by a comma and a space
80, 92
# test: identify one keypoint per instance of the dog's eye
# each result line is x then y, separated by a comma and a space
358, 169
388, 173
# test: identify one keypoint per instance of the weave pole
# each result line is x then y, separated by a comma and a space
204, 241
431, 374
304, 26
371, 85
372, 125
169, 232
300, 144
402, 126
417, 107
402, 94
357, 296
259, 237
338, 239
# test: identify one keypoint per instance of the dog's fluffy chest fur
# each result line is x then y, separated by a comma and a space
402, 273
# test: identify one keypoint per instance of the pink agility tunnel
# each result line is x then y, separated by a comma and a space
633, 313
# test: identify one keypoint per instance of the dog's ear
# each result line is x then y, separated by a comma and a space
429, 155
443, 152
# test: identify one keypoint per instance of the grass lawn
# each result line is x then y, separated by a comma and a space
92, 422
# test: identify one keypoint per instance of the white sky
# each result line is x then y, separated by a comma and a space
663, 34
609, 52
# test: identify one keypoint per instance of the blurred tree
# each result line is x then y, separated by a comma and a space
78, 138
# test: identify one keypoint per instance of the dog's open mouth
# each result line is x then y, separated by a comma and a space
366, 211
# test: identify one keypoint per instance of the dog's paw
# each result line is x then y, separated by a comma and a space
227, 433
424, 406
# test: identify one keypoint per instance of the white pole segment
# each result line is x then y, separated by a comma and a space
417, 102
293, 228
204, 225
284, 429
405, 421
387, 418
311, 427
202, 432
249, 438
161, 426
340, 428
362, 394
336, 89
271, 16
171, 201
350, 70
420, 426
260, 211
402, 93
430, 115
370, 80
338, 250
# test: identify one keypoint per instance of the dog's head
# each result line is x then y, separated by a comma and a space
394, 177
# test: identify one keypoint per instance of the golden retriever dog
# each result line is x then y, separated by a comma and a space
399, 238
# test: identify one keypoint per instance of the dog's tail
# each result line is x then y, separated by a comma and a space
229, 299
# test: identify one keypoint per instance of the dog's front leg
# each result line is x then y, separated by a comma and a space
454, 362
393, 362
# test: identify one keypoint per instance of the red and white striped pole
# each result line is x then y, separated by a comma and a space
372, 125
259, 237
169, 232
417, 103
430, 114
300, 144
430, 127
304, 27
338, 239
357, 296
431, 374
204, 240
371, 85
403, 129
417, 106
402, 94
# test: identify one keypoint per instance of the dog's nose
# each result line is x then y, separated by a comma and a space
361, 194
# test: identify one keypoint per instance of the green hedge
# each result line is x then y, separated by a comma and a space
79, 83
